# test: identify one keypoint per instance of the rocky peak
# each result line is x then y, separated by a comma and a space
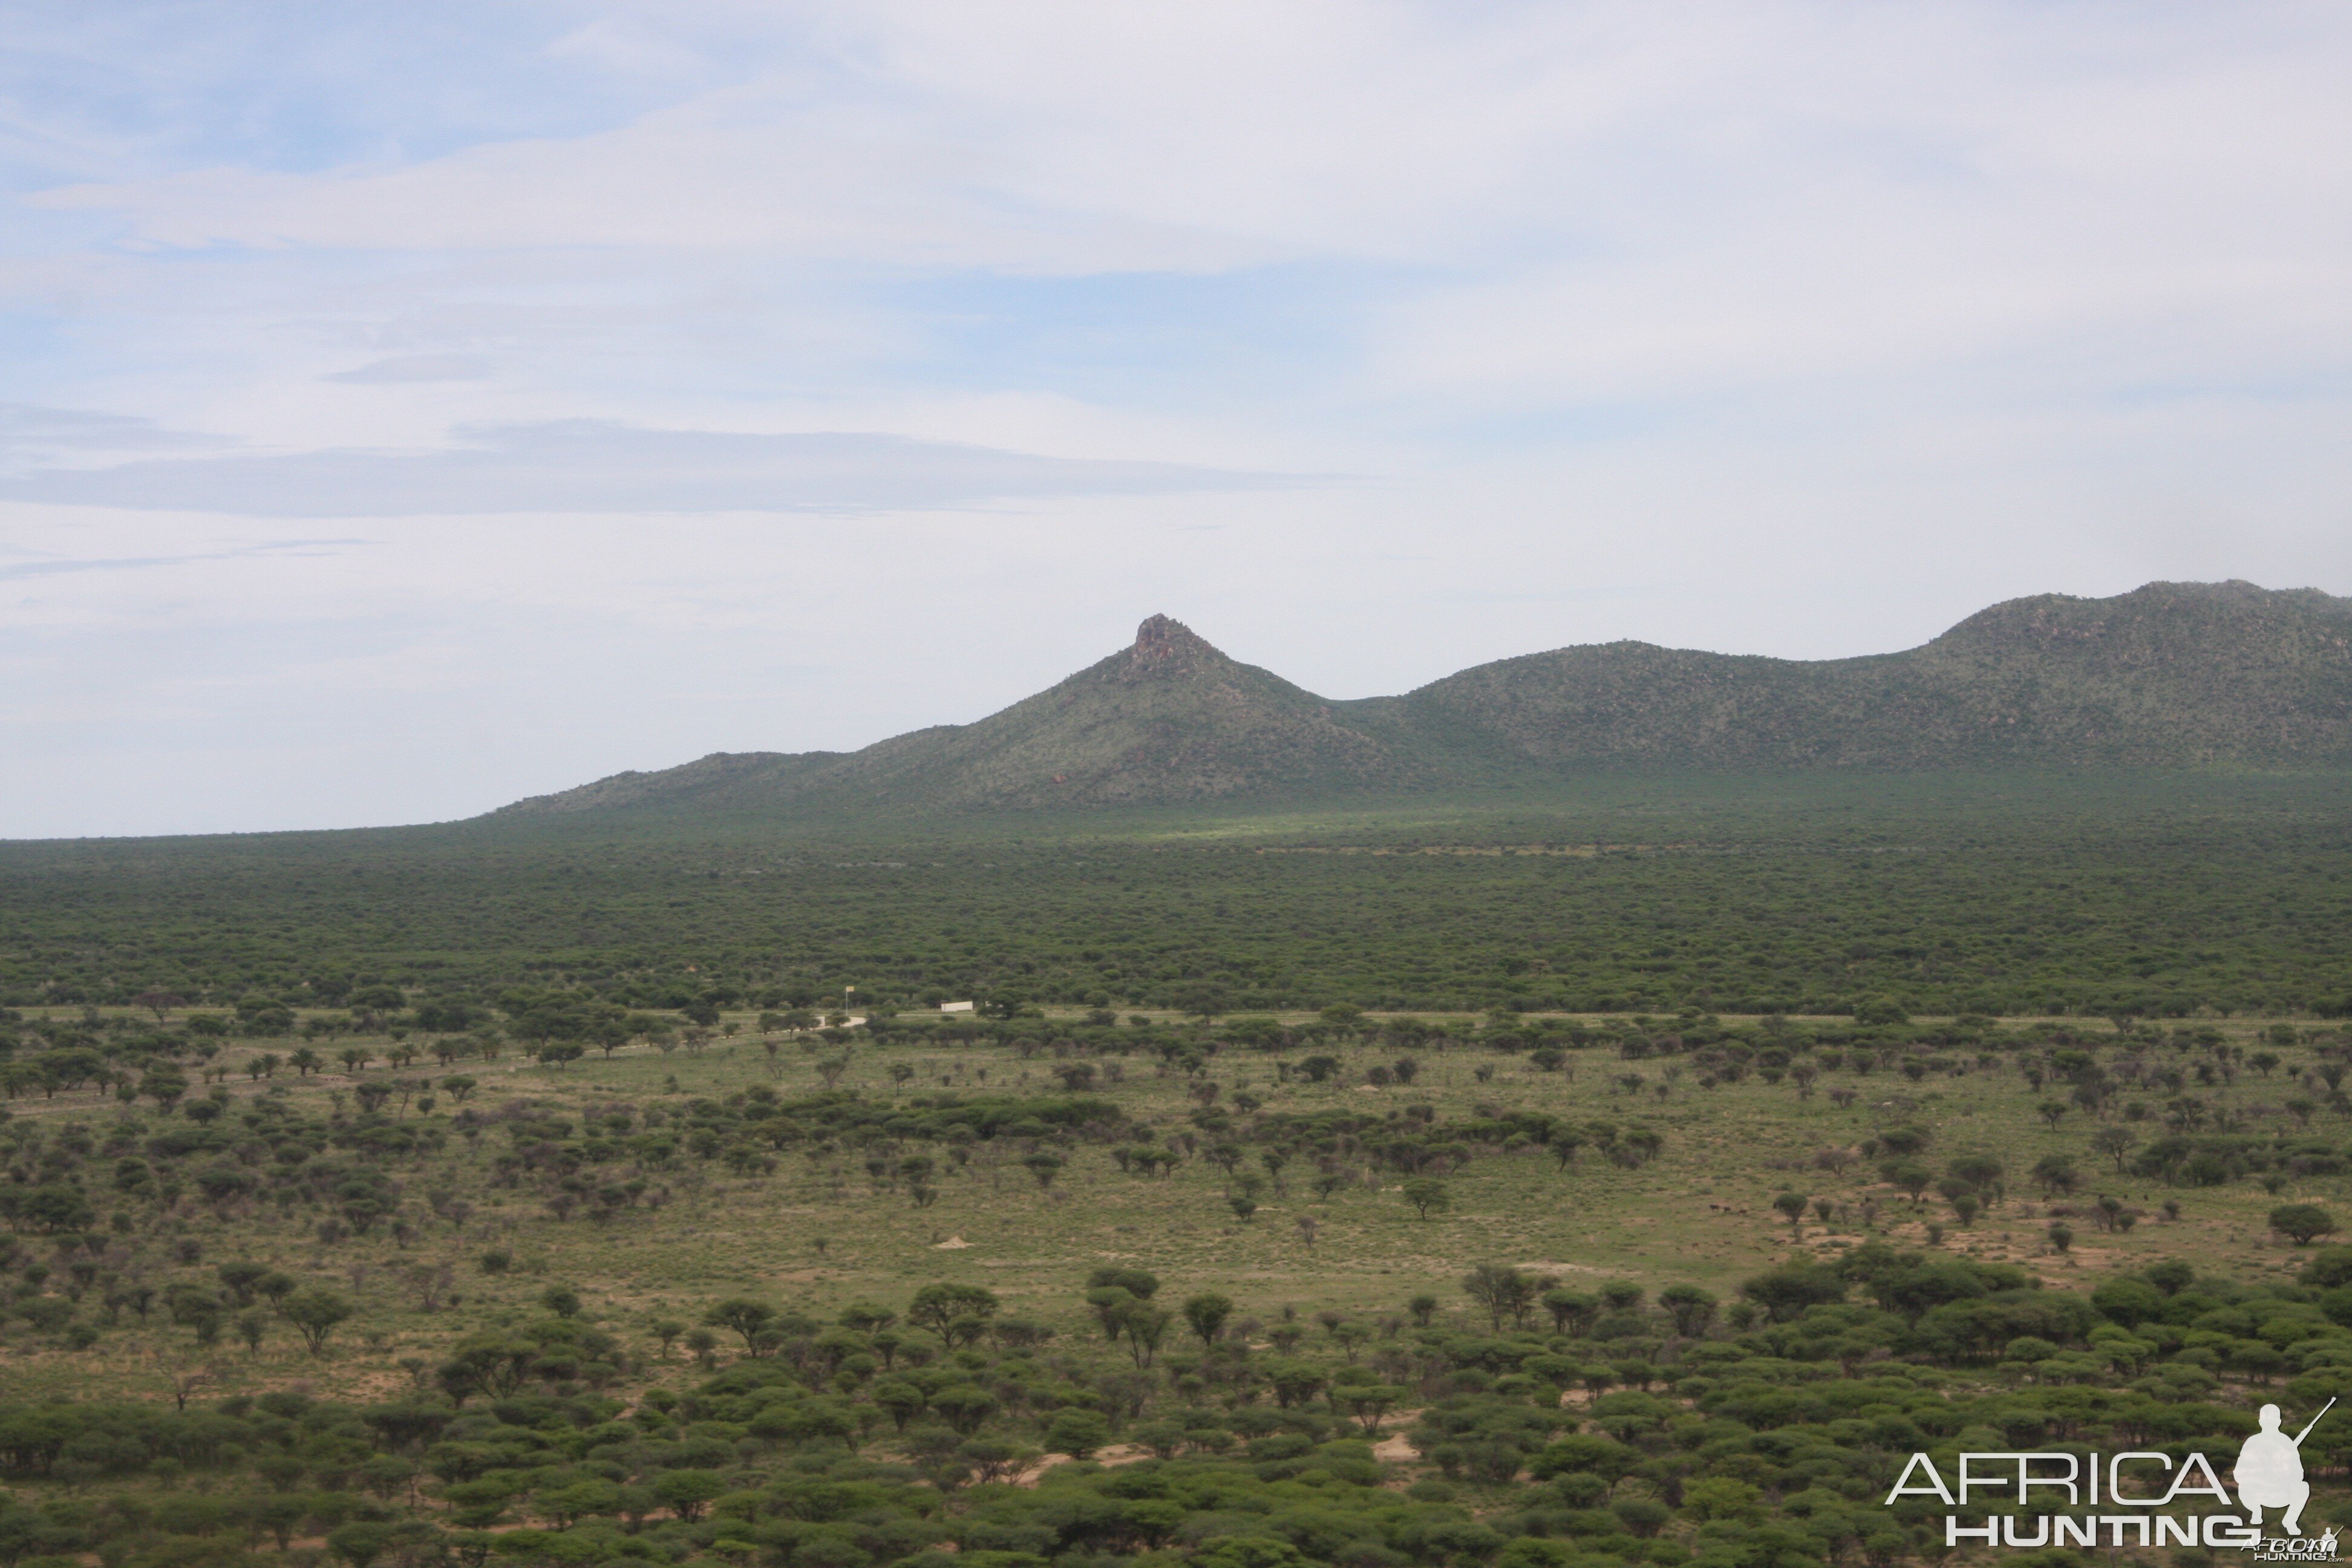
1165, 646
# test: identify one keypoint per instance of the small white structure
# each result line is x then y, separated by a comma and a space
955, 1006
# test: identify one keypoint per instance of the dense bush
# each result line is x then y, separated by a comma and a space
873, 1441
1870, 896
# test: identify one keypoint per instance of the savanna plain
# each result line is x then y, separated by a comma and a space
1639, 1174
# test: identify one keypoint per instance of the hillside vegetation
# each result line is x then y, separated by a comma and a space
2170, 675
2173, 673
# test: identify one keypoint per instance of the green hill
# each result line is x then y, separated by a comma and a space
1167, 719
2169, 675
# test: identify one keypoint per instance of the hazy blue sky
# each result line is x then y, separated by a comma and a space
407, 408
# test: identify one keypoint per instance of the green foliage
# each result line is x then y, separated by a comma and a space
1077, 1433
1426, 1195
1921, 895
2301, 1223
1786, 1293
957, 1313
550, 1414
315, 1314
1782, 1437
1206, 1313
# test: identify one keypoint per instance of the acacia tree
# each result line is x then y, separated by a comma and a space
1911, 1178
1786, 1292
744, 1317
2054, 1174
899, 1400
160, 1001
1206, 1314
1427, 1195
1693, 1308
958, 1314
1572, 1311
1505, 1292
314, 1314
1367, 1403
965, 1407
1144, 1326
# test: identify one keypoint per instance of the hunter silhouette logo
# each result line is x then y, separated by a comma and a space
2118, 1496
2269, 1472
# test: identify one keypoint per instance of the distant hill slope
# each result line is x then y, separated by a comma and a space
2170, 674
1168, 718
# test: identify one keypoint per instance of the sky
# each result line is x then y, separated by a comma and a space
408, 409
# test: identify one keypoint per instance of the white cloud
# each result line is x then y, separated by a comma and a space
56, 567
31, 434
404, 370
597, 466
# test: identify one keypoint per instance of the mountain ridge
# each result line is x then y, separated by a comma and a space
2169, 674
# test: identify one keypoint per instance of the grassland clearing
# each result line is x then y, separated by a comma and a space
820, 1231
